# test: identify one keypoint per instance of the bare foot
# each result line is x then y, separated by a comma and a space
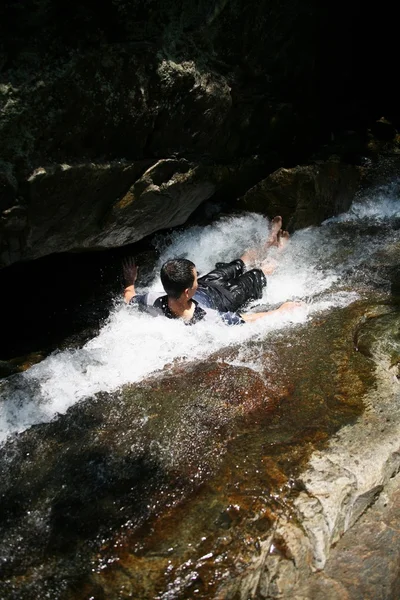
276, 225
268, 267
283, 239
254, 256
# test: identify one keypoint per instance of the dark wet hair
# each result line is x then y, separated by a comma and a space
177, 275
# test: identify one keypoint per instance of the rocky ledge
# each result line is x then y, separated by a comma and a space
96, 206
341, 538
120, 121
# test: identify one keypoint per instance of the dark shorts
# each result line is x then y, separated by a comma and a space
229, 286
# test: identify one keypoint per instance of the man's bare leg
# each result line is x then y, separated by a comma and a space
269, 265
273, 239
283, 239
256, 255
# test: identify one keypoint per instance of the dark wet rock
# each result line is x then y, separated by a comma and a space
383, 130
164, 195
70, 295
8, 185
169, 487
92, 500
76, 139
114, 102
7, 368
235, 520
110, 464
95, 206
20, 363
88, 88
65, 209
381, 175
305, 195
395, 281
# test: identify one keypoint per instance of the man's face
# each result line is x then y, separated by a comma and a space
193, 289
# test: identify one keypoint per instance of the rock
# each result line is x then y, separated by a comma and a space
365, 562
305, 195
21, 363
7, 369
74, 492
8, 186
383, 130
113, 103
343, 527
163, 197
395, 281
94, 206
138, 81
111, 463
75, 141
63, 207
379, 338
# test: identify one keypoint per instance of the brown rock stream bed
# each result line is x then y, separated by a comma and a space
230, 478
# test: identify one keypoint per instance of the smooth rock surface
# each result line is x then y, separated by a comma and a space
364, 564
358, 470
188, 470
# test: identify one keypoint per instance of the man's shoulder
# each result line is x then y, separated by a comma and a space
150, 302
146, 299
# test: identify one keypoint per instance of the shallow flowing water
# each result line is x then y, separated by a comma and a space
225, 426
326, 267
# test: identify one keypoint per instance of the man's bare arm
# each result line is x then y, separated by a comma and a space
130, 270
284, 308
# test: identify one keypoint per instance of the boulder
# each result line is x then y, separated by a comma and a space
383, 130
188, 484
345, 505
93, 206
207, 82
365, 561
305, 195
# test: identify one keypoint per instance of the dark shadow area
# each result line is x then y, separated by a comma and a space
305, 69
60, 300
61, 490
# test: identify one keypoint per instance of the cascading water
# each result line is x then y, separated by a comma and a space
326, 267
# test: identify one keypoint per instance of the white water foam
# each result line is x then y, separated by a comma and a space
378, 206
131, 345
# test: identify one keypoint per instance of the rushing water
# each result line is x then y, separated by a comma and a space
325, 267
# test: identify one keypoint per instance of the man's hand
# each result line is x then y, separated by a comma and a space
130, 270
286, 307
290, 306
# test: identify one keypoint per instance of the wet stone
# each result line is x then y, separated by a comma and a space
67, 483
380, 336
175, 484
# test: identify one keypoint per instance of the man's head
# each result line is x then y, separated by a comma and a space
179, 276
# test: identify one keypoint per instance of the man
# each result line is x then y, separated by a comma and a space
220, 293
